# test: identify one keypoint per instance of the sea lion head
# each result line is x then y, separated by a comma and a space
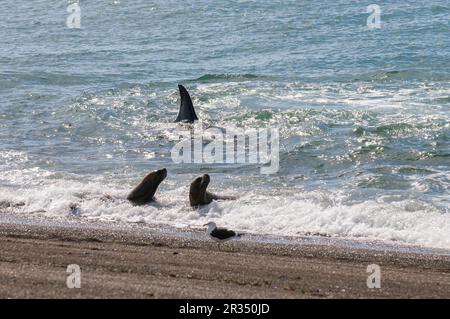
197, 192
155, 178
201, 183
161, 174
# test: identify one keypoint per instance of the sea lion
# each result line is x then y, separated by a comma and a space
199, 196
144, 192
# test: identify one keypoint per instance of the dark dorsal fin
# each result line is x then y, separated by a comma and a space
187, 111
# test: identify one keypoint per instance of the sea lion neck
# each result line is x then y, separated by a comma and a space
205, 179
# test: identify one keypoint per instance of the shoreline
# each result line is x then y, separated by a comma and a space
142, 261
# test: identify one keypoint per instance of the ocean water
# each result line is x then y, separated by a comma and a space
363, 114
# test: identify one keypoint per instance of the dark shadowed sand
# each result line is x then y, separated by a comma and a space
140, 261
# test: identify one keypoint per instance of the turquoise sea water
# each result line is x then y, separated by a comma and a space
364, 115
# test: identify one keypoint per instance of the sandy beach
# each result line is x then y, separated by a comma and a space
139, 261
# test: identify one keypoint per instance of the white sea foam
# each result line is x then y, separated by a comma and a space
256, 211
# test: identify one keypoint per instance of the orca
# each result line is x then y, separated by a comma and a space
187, 111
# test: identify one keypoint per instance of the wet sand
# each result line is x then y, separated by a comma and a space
145, 262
